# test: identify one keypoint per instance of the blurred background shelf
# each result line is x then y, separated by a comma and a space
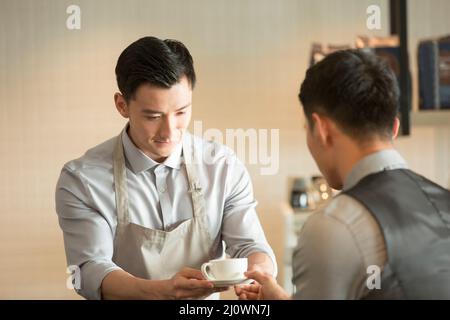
431, 118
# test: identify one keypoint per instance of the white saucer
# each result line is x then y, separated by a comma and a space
226, 283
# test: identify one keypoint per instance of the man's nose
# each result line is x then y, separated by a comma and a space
168, 126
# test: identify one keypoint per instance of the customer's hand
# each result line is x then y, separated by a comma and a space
265, 288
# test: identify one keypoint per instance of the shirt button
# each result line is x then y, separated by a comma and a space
162, 189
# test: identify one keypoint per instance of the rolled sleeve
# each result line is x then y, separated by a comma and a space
92, 274
88, 238
241, 228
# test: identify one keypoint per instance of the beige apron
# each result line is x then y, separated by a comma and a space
158, 254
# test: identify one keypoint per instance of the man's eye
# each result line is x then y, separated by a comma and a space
153, 117
181, 113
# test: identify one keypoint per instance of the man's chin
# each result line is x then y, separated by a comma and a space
335, 184
164, 150
332, 180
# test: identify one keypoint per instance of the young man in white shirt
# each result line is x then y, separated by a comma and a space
142, 211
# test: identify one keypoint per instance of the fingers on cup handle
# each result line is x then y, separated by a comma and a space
204, 270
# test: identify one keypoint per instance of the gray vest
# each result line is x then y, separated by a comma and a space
414, 217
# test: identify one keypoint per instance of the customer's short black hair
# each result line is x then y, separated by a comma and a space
354, 88
150, 60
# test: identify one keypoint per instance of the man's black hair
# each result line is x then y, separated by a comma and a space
153, 61
354, 88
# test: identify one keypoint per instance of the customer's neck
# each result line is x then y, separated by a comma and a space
352, 152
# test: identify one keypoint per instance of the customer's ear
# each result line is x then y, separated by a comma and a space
395, 128
321, 129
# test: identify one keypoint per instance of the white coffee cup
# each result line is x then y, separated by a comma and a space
225, 269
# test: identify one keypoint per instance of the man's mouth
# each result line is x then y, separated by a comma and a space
164, 142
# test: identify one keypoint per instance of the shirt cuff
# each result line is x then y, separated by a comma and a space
92, 274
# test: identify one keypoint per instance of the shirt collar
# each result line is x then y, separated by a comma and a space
139, 161
388, 159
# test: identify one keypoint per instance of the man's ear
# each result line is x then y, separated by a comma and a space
121, 105
395, 128
321, 129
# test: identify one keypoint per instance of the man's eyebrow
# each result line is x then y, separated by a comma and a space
150, 111
182, 108
159, 112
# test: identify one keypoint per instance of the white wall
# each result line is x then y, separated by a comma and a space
56, 95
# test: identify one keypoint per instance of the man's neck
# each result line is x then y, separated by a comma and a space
354, 152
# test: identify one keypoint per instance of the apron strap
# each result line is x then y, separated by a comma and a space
120, 182
190, 163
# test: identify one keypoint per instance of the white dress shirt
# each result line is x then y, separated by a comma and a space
158, 199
